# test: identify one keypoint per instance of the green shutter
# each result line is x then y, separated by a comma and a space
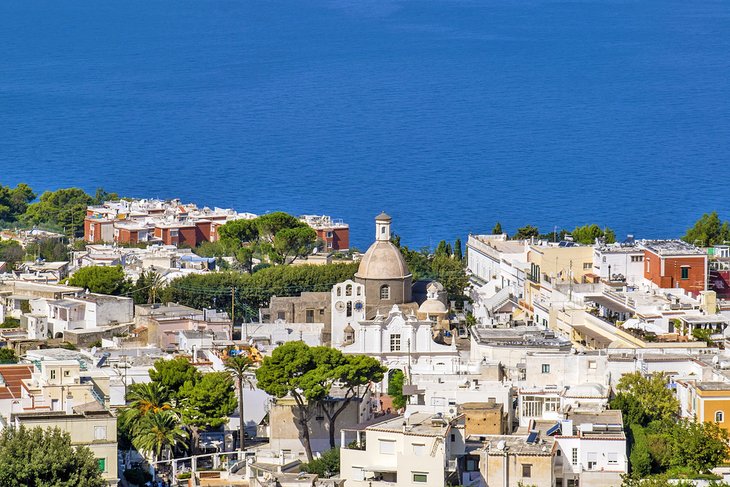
102, 464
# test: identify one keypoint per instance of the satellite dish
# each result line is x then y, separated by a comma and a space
501, 444
715, 360
407, 415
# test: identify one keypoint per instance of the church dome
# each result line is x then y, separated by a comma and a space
382, 261
432, 306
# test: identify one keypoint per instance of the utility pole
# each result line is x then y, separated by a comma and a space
233, 309
570, 276
125, 377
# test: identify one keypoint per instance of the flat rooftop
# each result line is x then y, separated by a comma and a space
713, 386
609, 416
425, 424
501, 245
672, 247
516, 444
518, 336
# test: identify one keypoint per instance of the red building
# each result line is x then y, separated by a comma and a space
334, 233
675, 264
172, 223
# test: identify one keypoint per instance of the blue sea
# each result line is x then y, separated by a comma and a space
449, 115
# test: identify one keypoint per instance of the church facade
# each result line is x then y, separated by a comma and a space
374, 314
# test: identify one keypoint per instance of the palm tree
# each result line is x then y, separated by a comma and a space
158, 433
144, 399
240, 367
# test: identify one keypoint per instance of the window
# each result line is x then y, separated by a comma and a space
329, 234
309, 316
174, 233
552, 404
545, 368
101, 462
591, 364
685, 272
612, 458
572, 482
385, 292
67, 373
420, 477
558, 482
719, 417
526, 470
532, 407
574, 457
387, 447
592, 460
587, 266
637, 258
648, 266
348, 290
359, 290
453, 437
281, 315
419, 449
339, 291
100, 432
53, 373
395, 342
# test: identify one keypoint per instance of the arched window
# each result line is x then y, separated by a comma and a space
349, 308
348, 290
719, 417
359, 290
384, 291
339, 291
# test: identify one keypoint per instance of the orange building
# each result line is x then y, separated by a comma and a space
706, 401
675, 264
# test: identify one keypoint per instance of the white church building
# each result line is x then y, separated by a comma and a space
402, 342
373, 314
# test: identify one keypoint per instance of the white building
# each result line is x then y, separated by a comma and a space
83, 312
348, 309
417, 450
591, 450
619, 263
403, 342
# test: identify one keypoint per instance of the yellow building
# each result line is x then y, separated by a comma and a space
550, 266
88, 425
562, 263
706, 401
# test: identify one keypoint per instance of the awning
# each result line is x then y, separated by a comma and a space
601, 340
610, 304
375, 469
